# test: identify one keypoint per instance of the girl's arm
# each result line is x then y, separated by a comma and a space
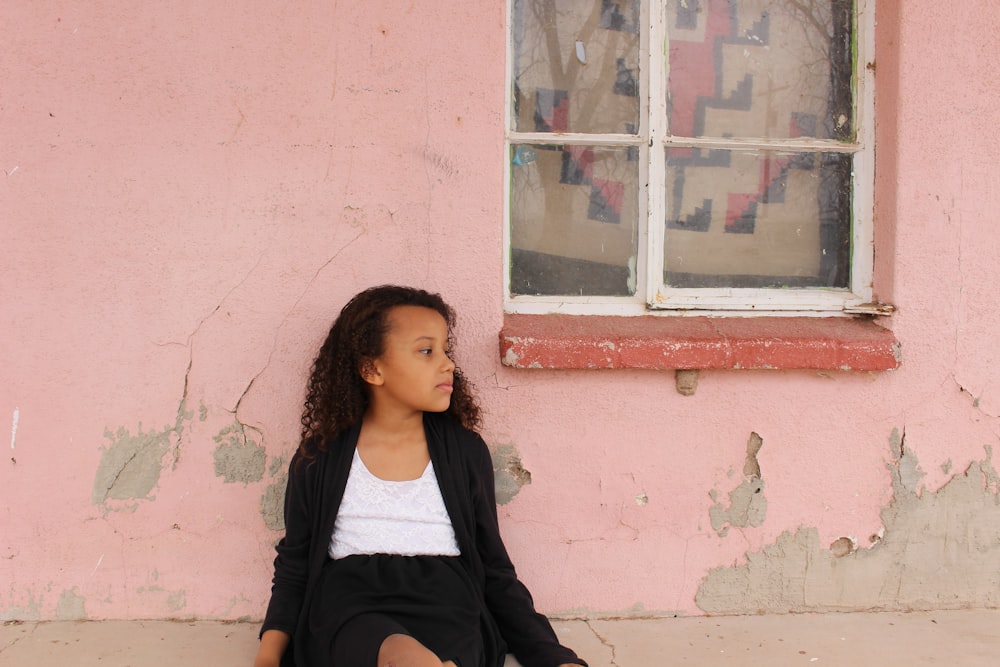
291, 565
528, 633
272, 646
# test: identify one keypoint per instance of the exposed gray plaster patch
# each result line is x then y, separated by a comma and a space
272, 503
938, 550
237, 458
131, 464
277, 465
908, 468
747, 504
509, 474
70, 606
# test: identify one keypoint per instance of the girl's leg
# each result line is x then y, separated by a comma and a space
405, 651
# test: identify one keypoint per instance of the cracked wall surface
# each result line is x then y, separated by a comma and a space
938, 550
182, 222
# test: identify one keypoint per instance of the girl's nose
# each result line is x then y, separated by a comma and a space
449, 364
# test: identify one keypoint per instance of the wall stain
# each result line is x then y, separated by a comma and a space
71, 606
177, 600
509, 474
130, 464
747, 504
31, 611
937, 550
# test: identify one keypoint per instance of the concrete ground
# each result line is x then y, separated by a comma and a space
954, 638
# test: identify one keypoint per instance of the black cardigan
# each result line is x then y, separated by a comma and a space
465, 475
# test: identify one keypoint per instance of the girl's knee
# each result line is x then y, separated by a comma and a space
405, 651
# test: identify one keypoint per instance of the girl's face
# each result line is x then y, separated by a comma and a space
414, 372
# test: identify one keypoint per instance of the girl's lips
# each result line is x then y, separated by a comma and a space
445, 387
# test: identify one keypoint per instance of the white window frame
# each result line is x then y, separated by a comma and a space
651, 297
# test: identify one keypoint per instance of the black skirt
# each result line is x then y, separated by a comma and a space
431, 597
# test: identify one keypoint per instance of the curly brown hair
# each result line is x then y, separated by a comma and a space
336, 395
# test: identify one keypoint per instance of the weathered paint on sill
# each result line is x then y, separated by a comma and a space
594, 342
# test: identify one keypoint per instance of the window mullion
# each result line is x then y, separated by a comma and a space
863, 209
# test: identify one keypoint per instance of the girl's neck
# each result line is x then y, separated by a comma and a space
393, 449
393, 428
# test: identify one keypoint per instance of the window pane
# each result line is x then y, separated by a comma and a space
761, 68
757, 219
576, 66
574, 215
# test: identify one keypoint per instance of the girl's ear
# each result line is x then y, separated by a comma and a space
370, 372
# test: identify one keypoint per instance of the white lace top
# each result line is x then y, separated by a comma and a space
378, 516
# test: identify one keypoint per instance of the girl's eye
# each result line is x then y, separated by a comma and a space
426, 350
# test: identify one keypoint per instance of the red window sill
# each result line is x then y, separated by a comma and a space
575, 341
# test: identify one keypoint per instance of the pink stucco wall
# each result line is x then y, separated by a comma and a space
192, 190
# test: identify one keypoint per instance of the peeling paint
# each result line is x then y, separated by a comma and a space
509, 474
71, 606
15, 418
747, 503
238, 458
938, 550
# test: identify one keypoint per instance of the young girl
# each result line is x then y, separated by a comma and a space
392, 556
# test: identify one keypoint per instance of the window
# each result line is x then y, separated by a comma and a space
690, 155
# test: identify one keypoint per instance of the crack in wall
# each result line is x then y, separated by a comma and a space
938, 550
281, 325
976, 400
